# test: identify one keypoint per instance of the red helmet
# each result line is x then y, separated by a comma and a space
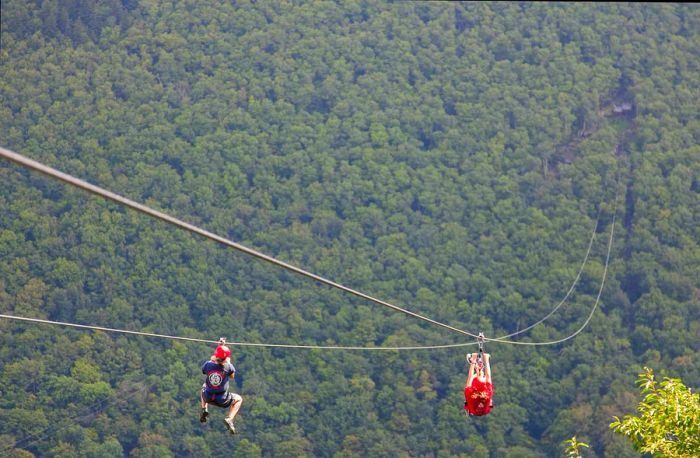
222, 352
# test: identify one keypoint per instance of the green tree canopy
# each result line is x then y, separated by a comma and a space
668, 423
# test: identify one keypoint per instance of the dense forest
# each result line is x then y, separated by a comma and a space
451, 158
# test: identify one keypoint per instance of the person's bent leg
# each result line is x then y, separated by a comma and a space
203, 403
236, 402
487, 367
235, 406
472, 369
205, 411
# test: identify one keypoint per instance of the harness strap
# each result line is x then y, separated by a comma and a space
481, 347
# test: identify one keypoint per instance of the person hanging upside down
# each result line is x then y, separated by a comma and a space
219, 371
478, 392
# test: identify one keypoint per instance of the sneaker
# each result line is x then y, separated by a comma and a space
203, 416
229, 425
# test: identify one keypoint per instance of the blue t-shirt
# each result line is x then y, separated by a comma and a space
217, 376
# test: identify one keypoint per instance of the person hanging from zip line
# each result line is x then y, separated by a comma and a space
219, 371
478, 390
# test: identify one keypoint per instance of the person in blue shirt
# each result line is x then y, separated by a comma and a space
219, 371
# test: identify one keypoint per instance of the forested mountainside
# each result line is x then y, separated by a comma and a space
451, 158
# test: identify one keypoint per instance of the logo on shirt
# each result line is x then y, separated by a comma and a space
215, 378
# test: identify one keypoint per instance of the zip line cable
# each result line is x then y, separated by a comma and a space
73, 181
240, 344
323, 347
597, 299
568, 293
36, 166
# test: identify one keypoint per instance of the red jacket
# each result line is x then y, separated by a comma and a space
478, 397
